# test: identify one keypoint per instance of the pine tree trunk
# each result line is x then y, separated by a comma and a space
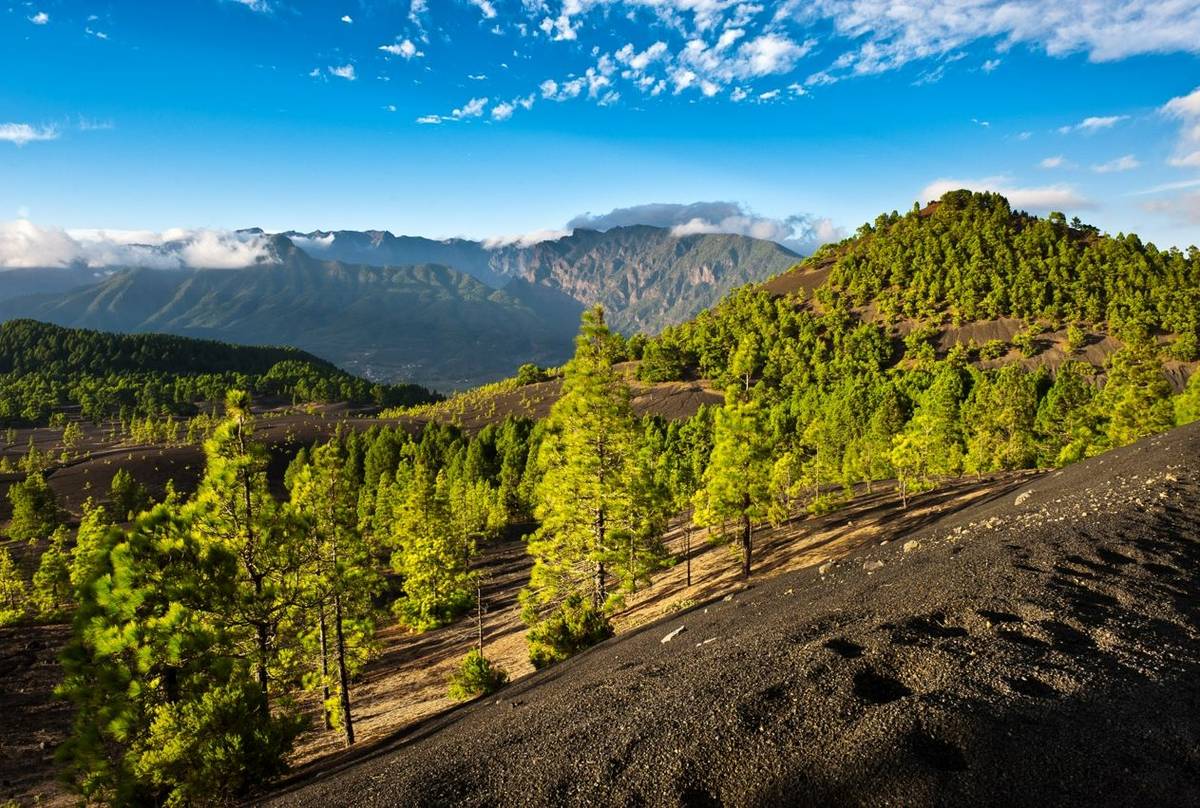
687, 549
598, 593
479, 614
746, 538
343, 678
325, 671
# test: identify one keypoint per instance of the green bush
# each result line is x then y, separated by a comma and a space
476, 677
993, 349
574, 626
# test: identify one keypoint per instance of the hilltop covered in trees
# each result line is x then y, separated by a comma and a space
45, 367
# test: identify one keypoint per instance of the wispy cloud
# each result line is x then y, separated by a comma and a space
1093, 124
1125, 163
40, 18
1186, 110
1057, 161
22, 133
405, 49
343, 72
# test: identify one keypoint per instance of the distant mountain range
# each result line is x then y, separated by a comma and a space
445, 314
645, 277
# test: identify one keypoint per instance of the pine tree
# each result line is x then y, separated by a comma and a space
1187, 403
127, 497
341, 580
35, 511
737, 481
1136, 396
168, 706
430, 555
587, 465
233, 509
87, 554
52, 591
14, 594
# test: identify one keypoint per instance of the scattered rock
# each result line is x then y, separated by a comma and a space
871, 566
825, 568
1022, 497
911, 544
674, 634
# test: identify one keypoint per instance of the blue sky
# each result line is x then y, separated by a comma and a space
490, 118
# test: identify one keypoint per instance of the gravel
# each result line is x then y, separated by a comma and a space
1040, 650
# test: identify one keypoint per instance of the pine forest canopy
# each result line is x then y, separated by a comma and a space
45, 367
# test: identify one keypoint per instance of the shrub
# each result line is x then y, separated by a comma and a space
993, 349
574, 626
476, 676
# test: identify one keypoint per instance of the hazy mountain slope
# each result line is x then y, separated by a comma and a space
42, 280
1037, 650
646, 277
425, 323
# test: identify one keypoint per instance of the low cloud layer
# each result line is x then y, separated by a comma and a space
24, 244
800, 232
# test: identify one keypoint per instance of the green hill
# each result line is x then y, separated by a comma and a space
44, 367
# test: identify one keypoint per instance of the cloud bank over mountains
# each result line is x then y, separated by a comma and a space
800, 232
24, 244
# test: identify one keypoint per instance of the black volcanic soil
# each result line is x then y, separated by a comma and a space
1036, 650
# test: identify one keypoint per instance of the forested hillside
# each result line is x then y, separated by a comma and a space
45, 367
842, 387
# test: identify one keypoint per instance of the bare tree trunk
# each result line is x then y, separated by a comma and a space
479, 614
324, 670
343, 678
746, 539
687, 549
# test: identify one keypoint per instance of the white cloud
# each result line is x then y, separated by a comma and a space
259, 6
1186, 109
22, 133
346, 18
471, 109
41, 18
502, 111
405, 49
524, 239
485, 8
343, 72
1094, 124
1052, 162
429, 120
97, 34
990, 65
887, 35
1035, 198
1125, 163
771, 54
25, 244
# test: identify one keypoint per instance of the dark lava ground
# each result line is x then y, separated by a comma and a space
1042, 650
